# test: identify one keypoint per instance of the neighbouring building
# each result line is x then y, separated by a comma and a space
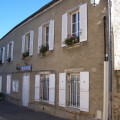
55, 61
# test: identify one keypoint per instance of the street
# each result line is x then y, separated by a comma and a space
10, 111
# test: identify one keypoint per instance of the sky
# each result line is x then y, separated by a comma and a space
12, 12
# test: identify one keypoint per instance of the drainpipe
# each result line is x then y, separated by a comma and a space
110, 62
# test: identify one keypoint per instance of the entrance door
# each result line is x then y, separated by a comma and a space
25, 90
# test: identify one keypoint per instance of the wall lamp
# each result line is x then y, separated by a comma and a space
94, 2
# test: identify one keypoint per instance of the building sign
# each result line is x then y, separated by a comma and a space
26, 68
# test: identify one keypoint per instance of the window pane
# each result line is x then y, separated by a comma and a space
46, 88
74, 18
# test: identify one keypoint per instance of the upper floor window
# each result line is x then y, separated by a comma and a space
74, 26
27, 44
2, 55
46, 37
10, 48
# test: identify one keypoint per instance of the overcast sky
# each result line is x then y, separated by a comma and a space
12, 12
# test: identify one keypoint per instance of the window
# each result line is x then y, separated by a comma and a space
74, 26
10, 47
46, 88
47, 36
75, 90
27, 44
2, 55
8, 87
75, 21
0, 83
15, 85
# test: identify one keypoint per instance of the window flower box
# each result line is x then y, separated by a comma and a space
9, 59
71, 40
43, 50
25, 54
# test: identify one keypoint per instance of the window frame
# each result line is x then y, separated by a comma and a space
1, 53
44, 77
78, 21
47, 35
15, 84
76, 75
27, 42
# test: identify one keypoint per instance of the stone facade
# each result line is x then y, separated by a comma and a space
115, 10
86, 56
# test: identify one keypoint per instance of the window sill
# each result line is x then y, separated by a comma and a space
26, 58
74, 45
46, 53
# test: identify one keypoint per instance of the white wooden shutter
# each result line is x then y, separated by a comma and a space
52, 89
39, 38
64, 28
83, 22
23, 43
31, 43
37, 87
8, 84
84, 91
51, 35
7, 51
0, 83
62, 89
12, 47
3, 55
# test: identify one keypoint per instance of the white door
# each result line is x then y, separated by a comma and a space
25, 90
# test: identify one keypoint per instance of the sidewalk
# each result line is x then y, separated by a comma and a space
10, 111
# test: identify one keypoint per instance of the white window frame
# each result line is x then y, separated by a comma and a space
27, 42
44, 76
47, 35
76, 74
78, 31
15, 86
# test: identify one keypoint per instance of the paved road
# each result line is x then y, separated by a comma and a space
10, 111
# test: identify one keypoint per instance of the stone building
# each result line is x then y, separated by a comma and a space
53, 61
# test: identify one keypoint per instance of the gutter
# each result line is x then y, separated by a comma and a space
110, 62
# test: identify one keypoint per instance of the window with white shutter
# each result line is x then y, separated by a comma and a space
10, 48
0, 83
8, 84
74, 90
37, 87
2, 55
78, 21
27, 44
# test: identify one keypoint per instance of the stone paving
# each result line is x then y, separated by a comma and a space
10, 111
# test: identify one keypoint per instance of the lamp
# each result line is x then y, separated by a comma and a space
94, 2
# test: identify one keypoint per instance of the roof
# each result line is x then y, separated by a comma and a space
34, 14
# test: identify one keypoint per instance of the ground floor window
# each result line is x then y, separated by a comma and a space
75, 90
15, 85
46, 88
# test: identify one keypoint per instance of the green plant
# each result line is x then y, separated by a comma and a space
2, 97
70, 40
25, 54
43, 49
9, 59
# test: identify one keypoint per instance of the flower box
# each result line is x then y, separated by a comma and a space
9, 59
71, 40
43, 50
25, 54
